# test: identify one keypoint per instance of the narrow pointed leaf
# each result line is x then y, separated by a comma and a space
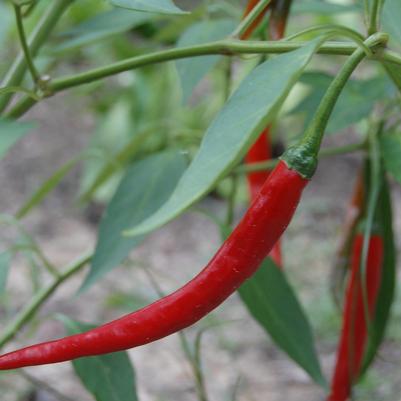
151, 6
274, 305
394, 72
146, 185
246, 113
101, 26
391, 19
192, 70
391, 149
108, 377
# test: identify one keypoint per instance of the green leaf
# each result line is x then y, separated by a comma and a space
151, 6
40, 194
113, 133
322, 7
394, 72
274, 305
192, 70
109, 377
145, 187
5, 264
101, 26
391, 150
6, 21
10, 133
391, 19
356, 101
389, 276
252, 106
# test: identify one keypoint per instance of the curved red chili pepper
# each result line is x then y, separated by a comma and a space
236, 260
354, 333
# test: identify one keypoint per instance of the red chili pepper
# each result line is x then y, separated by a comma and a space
342, 261
354, 333
236, 260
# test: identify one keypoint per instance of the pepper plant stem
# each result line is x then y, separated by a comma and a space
250, 18
28, 311
315, 131
43, 29
224, 47
24, 43
270, 164
374, 16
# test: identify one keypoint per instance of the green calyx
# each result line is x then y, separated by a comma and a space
302, 159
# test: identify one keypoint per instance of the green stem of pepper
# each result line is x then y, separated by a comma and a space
41, 33
226, 47
303, 157
24, 44
40, 298
250, 18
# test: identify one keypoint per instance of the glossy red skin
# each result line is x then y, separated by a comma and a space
261, 151
354, 334
236, 260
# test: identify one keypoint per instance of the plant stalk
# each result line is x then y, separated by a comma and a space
40, 298
44, 27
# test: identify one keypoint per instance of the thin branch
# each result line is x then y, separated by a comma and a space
24, 44
40, 298
41, 33
250, 18
226, 47
374, 16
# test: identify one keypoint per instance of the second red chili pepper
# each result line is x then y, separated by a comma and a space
354, 333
